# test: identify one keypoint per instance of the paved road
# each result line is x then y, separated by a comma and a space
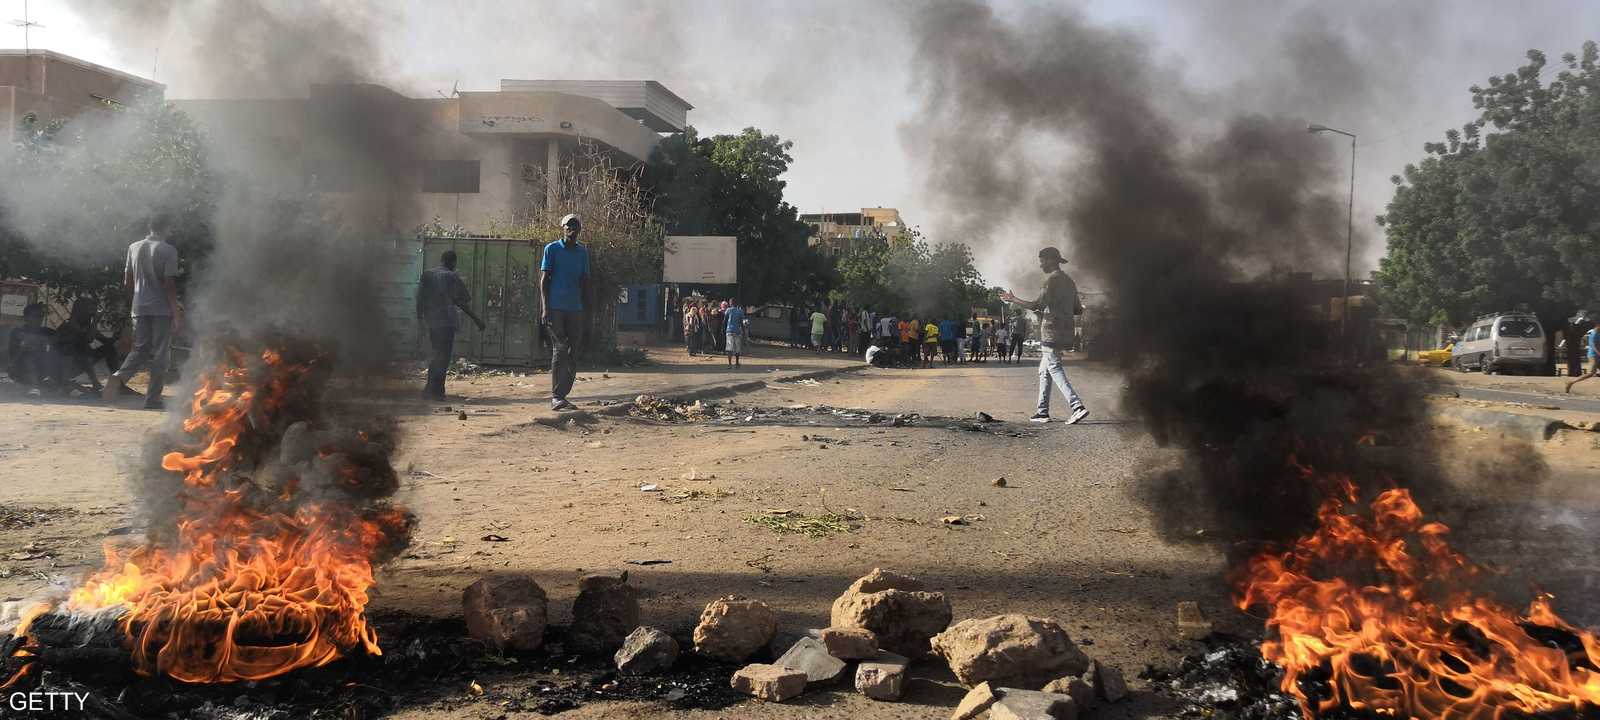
1557, 400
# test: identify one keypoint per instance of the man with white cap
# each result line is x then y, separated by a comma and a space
564, 289
1059, 304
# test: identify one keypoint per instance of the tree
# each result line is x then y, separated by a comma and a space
1506, 211
730, 185
73, 196
938, 280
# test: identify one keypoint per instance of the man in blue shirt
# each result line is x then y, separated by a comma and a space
947, 340
564, 288
736, 330
1591, 344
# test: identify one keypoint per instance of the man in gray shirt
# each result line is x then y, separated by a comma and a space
1059, 305
440, 292
150, 277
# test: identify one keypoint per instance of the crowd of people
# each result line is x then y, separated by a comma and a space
715, 327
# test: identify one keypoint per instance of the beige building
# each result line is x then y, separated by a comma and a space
839, 233
471, 160
53, 86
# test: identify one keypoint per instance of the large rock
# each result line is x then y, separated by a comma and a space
884, 677
733, 628
1010, 650
506, 612
977, 702
811, 657
773, 683
896, 609
606, 610
1032, 705
646, 651
849, 643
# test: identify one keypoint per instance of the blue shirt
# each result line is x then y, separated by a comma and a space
735, 318
947, 330
1590, 336
567, 264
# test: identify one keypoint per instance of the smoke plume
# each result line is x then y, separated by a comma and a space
1188, 215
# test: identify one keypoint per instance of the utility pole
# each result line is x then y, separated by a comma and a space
1350, 227
26, 23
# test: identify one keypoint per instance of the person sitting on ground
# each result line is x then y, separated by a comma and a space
738, 330
1591, 344
32, 353
80, 344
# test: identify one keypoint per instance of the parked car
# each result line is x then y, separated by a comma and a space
1441, 357
1502, 342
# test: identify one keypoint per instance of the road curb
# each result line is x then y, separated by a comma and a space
1534, 427
731, 390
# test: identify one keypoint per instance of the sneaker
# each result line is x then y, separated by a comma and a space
1040, 418
1079, 413
562, 405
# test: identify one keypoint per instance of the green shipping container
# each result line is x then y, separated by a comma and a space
504, 284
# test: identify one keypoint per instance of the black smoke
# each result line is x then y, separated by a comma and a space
1190, 215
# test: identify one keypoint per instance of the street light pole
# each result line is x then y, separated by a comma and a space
1350, 225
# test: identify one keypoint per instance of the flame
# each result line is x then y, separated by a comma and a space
256, 583
1374, 612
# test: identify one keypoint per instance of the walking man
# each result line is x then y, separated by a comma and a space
564, 288
440, 291
1059, 305
150, 276
736, 331
1019, 335
1591, 344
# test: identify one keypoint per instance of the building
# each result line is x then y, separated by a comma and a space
53, 86
839, 233
472, 160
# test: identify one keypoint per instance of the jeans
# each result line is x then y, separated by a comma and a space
566, 331
441, 344
152, 349
1050, 370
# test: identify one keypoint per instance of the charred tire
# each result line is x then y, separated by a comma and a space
1485, 365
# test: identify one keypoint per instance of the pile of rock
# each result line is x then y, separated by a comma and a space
1017, 666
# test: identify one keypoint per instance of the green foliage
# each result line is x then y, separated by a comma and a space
1505, 212
912, 276
74, 195
730, 185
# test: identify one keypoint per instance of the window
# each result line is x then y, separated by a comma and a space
450, 176
1480, 333
1519, 328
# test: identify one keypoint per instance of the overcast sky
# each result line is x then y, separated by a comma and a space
833, 75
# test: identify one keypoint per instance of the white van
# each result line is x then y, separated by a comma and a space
1502, 342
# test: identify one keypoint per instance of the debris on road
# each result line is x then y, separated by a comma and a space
785, 522
999, 482
506, 612
977, 701
1015, 704
604, 613
894, 607
1013, 650
1192, 624
733, 628
646, 651
810, 655
647, 562
884, 677
772, 683
848, 643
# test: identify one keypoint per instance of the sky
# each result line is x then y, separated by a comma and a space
834, 76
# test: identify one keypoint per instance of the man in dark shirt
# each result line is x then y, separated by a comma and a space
1059, 304
80, 344
31, 351
564, 289
440, 292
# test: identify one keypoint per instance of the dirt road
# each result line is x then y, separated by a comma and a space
1063, 539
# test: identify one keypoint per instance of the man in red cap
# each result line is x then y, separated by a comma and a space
1059, 305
